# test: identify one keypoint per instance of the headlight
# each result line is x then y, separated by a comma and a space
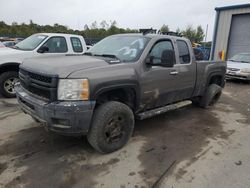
73, 89
245, 70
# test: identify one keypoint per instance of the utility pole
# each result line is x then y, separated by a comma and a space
206, 37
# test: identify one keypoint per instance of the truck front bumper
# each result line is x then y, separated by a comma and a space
64, 117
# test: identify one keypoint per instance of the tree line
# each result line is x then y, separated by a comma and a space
193, 34
94, 30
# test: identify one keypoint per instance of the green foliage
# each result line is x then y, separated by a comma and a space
195, 35
178, 30
164, 28
92, 31
199, 34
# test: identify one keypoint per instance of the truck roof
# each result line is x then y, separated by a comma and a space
57, 34
152, 35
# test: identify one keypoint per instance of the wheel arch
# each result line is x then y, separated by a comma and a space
10, 66
216, 78
127, 94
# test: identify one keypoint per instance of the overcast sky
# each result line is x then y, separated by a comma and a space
133, 14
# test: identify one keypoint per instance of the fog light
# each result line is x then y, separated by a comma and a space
61, 123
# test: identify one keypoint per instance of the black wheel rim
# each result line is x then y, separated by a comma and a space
114, 129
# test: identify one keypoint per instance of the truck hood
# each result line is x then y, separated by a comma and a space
237, 65
13, 55
11, 51
62, 66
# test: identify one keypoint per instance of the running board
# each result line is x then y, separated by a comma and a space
157, 111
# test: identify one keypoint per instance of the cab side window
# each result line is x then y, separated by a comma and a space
76, 44
56, 45
184, 55
158, 48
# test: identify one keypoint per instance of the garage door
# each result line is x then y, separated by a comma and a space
239, 40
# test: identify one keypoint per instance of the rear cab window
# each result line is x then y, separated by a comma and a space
76, 44
184, 54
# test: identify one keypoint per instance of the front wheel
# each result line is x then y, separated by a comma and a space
112, 127
7, 83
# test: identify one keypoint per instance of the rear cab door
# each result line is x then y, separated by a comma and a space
186, 65
77, 44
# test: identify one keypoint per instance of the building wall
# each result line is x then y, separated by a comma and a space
223, 29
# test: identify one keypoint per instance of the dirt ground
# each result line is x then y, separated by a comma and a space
188, 147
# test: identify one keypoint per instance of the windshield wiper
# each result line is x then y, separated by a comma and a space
14, 47
104, 55
238, 61
244, 62
88, 53
109, 56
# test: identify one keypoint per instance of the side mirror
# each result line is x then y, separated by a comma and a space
168, 58
43, 49
149, 60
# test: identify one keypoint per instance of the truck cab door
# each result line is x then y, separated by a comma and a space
56, 45
186, 78
158, 83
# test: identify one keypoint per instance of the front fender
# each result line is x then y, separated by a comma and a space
104, 87
10, 66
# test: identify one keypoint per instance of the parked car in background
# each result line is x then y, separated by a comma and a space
238, 67
37, 45
2, 45
123, 77
19, 39
9, 43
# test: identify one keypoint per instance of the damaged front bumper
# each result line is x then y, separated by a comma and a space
64, 117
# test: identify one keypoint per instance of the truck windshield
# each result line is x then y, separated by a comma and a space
125, 48
31, 42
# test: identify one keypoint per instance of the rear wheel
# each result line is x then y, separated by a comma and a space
112, 126
211, 96
7, 83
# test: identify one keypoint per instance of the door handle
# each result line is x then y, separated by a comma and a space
173, 72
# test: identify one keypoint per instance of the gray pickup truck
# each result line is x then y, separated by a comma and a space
121, 78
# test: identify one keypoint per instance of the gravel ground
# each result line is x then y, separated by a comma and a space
188, 147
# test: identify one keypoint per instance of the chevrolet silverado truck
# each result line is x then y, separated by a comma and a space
121, 78
41, 44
